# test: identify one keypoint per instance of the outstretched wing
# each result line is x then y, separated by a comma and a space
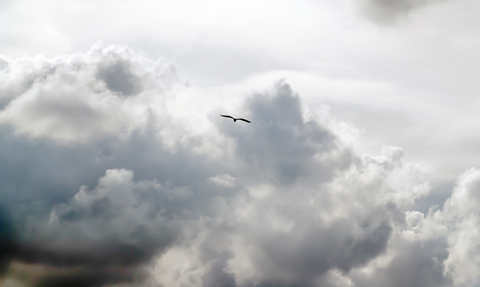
227, 116
241, 119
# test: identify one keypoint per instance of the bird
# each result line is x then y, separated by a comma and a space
235, 119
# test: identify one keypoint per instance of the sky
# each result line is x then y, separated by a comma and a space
359, 167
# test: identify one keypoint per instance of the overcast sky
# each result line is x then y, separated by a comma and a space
360, 166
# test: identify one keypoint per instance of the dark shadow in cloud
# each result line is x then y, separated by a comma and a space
313, 251
426, 268
417, 264
119, 77
216, 276
280, 145
436, 197
104, 254
7, 240
279, 283
3, 63
84, 264
40, 173
86, 278
389, 11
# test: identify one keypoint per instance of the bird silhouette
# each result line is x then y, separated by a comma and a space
235, 119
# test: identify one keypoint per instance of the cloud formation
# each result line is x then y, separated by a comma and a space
103, 185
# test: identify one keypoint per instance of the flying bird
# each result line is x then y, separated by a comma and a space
235, 119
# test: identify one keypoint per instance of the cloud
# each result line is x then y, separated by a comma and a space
7, 239
100, 236
119, 78
461, 216
103, 185
389, 11
80, 97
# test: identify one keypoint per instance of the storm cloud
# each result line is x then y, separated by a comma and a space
103, 184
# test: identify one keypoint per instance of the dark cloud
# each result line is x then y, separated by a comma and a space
280, 145
320, 249
7, 241
418, 264
85, 278
105, 254
119, 77
389, 11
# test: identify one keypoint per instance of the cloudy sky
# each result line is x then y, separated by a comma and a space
359, 168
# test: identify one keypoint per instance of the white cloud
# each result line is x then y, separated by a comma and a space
462, 218
224, 179
82, 97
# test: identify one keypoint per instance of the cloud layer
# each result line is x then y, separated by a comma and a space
102, 183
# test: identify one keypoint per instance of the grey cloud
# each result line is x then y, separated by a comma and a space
84, 265
389, 11
101, 255
312, 248
138, 199
119, 77
7, 240
436, 197
215, 274
3, 63
320, 249
418, 264
100, 238
280, 145
86, 278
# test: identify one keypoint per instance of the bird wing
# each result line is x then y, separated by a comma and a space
226, 116
242, 119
